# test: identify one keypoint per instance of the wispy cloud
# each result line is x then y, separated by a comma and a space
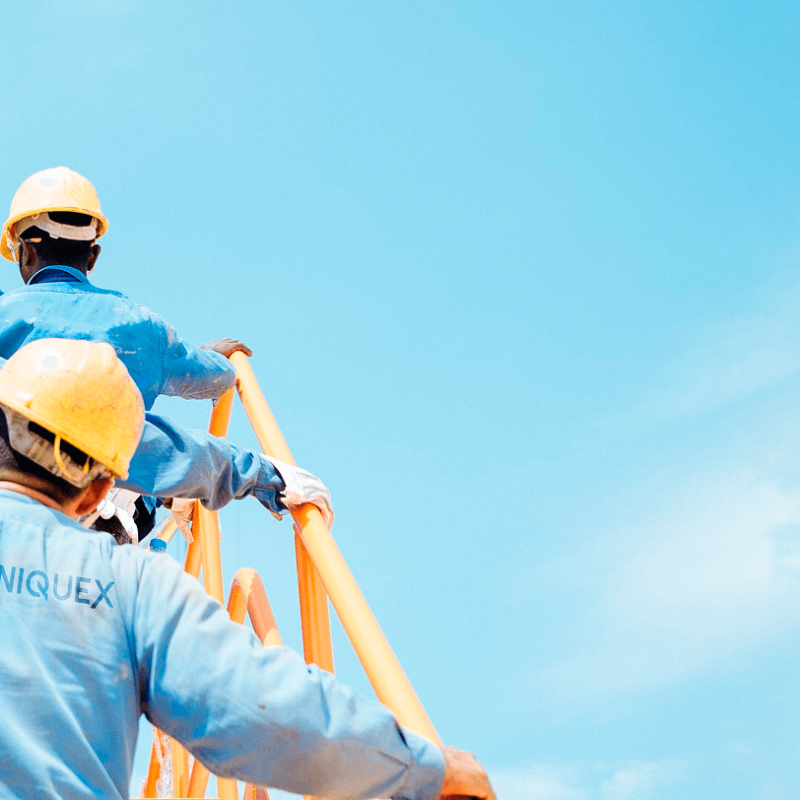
708, 566
641, 780
539, 783
673, 596
622, 780
723, 362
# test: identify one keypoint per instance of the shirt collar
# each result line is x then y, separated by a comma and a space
49, 274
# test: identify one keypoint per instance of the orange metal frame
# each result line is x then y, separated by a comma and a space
321, 574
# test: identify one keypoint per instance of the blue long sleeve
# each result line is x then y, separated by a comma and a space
191, 372
266, 716
171, 461
174, 462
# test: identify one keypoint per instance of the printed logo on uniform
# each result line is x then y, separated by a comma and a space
78, 589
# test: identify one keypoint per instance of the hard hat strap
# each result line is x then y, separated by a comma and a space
47, 452
70, 478
58, 230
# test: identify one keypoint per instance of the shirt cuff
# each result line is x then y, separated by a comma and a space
426, 775
269, 486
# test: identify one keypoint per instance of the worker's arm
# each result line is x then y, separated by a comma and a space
193, 372
174, 462
261, 714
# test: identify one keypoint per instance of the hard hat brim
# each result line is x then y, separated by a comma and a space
116, 468
5, 251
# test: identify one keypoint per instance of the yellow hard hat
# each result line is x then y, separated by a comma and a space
55, 189
80, 392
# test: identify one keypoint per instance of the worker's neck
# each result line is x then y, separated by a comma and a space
30, 271
40, 265
35, 494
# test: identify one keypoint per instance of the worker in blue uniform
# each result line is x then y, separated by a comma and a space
94, 635
51, 232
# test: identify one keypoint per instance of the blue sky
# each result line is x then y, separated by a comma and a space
521, 281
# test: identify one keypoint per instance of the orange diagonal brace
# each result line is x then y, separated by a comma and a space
379, 661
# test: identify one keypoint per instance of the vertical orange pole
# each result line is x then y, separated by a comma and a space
221, 414
314, 619
180, 768
203, 550
208, 521
208, 541
194, 552
379, 661
152, 774
208, 544
198, 780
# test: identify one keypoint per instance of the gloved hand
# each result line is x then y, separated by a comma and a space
183, 512
303, 487
119, 503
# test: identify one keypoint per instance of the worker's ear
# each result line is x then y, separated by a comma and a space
25, 255
93, 496
93, 254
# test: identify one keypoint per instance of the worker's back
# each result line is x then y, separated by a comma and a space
92, 634
156, 358
69, 697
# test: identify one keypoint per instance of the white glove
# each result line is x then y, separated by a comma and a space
303, 487
119, 503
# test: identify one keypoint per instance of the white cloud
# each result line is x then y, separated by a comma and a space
731, 360
540, 783
640, 780
712, 569
672, 597
624, 780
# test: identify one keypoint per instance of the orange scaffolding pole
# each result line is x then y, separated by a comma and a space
202, 552
321, 573
372, 648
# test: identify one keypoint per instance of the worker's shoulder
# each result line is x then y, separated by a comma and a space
62, 288
53, 292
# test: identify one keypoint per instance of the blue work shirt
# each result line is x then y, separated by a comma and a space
95, 634
59, 302
171, 461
